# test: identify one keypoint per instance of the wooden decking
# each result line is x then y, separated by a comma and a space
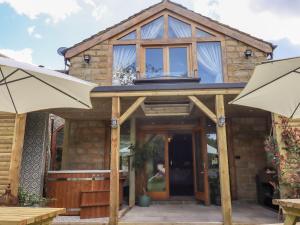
187, 214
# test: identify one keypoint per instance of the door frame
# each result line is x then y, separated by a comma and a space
164, 195
166, 130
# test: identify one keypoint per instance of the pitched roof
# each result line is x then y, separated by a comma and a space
176, 8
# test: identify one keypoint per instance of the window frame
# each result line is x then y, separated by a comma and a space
166, 58
166, 41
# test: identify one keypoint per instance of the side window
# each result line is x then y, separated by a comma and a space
124, 64
209, 59
154, 29
201, 33
130, 36
179, 29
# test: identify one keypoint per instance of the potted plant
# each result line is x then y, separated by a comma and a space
27, 199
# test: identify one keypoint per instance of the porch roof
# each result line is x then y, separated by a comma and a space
165, 89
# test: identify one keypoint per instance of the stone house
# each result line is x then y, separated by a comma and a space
165, 76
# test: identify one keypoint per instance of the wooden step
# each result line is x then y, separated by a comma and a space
94, 212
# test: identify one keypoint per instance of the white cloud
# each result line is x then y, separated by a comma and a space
264, 24
98, 9
24, 55
31, 31
55, 10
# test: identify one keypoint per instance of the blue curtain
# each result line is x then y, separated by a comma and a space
210, 62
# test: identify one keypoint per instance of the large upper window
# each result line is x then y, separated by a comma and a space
154, 29
124, 64
167, 61
179, 29
209, 62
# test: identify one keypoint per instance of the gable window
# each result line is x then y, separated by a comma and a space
209, 62
124, 64
179, 29
154, 29
166, 61
201, 33
130, 36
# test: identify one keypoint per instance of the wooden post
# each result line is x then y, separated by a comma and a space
114, 162
65, 152
131, 166
223, 162
16, 153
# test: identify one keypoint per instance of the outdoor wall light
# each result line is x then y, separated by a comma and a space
114, 123
87, 58
248, 53
221, 121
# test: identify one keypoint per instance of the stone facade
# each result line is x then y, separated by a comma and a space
98, 69
240, 68
250, 157
86, 146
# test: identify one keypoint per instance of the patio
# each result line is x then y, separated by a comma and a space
243, 213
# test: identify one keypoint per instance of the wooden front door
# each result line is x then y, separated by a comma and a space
156, 168
201, 185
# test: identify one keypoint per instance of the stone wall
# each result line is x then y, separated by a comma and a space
86, 146
239, 68
248, 145
98, 69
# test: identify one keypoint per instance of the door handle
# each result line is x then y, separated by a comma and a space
171, 163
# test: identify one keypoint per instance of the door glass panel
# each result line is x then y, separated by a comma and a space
199, 164
154, 62
178, 61
155, 165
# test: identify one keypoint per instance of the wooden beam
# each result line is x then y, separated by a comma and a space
229, 91
223, 163
114, 163
16, 153
131, 110
131, 165
203, 108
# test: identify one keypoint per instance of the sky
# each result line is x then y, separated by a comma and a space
33, 30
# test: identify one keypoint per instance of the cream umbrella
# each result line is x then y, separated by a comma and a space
275, 87
26, 88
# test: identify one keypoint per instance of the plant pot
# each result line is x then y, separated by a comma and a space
144, 201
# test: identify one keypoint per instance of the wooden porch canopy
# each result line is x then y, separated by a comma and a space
190, 90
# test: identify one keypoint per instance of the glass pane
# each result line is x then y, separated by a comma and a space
125, 144
199, 163
124, 64
154, 62
178, 61
210, 62
153, 30
213, 162
155, 165
202, 33
179, 29
130, 36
